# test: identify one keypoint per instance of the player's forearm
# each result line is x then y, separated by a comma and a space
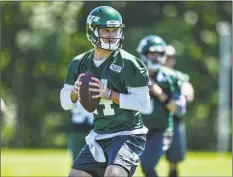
130, 101
163, 97
137, 99
114, 96
158, 92
65, 97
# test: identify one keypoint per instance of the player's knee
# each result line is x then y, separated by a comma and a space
115, 171
78, 173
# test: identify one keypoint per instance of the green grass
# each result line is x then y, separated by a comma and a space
57, 163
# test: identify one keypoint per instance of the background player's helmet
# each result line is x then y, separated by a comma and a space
170, 50
104, 16
154, 44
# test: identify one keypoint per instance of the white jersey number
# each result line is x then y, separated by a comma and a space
108, 111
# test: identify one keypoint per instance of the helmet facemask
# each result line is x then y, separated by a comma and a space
109, 43
155, 60
155, 57
94, 36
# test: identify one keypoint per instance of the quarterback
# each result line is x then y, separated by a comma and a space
118, 138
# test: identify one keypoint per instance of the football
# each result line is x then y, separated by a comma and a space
85, 96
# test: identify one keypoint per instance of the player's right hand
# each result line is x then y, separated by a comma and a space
188, 91
78, 83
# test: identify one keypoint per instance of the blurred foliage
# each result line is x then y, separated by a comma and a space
39, 39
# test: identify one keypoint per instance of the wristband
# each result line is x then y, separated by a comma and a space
108, 94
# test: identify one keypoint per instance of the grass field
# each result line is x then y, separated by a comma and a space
57, 163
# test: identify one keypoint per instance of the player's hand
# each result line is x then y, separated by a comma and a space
101, 89
75, 92
188, 91
78, 83
171, 106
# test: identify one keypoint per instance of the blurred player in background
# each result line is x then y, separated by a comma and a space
159, 119
81, 123
176, 152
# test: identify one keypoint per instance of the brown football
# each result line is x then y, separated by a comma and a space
85, 96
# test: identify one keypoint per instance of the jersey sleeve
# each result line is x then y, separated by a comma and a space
182, 76
162, 79
136, 74
72, 73
166, 81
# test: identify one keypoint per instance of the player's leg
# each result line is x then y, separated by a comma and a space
124, 155
176, 152
85, 164
115, 170
78, 173
152, 154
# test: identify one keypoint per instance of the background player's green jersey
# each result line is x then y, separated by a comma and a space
158, 117
181, 76
119, 72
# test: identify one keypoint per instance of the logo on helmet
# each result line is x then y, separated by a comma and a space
92, 18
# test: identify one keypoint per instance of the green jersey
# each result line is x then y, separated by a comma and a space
119, 72
158, 117
182, 77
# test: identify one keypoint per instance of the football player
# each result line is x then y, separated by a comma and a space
159, 118
176, 152
118, 139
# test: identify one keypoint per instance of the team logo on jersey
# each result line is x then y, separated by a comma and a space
115, 68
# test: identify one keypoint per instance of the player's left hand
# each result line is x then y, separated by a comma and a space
101, 88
